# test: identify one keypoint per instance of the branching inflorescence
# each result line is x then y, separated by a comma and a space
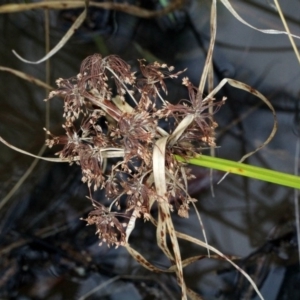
112, 115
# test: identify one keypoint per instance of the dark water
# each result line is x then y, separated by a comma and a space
48, 253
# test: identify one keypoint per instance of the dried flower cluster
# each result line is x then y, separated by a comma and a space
113, 116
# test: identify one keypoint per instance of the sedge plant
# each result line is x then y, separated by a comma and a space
115, 131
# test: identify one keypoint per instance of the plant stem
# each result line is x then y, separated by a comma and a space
244, 170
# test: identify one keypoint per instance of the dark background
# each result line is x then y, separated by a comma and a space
48, 253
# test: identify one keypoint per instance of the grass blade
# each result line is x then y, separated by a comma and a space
245, 170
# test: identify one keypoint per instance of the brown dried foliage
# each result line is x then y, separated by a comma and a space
108, 131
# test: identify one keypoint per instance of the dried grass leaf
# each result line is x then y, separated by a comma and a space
159, 169
142, 260
131, 224
30, 154
192, 295
202, 227
211, 248
227, 4
165, 223
165, 211
193, 259
251, 90
27, 77
213, 32
122, 105
202, 244
287, 30
179, 130
146, 264
62, 42
247, 88
112, 152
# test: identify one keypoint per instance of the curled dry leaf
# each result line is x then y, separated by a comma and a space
62, 42
230, 8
